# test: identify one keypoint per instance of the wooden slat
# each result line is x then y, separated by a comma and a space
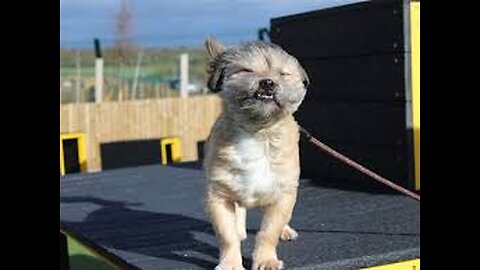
190, 119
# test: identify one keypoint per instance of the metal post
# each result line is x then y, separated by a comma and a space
79, 78
98, 72
137, 73
184, 75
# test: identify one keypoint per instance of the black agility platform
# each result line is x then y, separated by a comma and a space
152, 217
360, 101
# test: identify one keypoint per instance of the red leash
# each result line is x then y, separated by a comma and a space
357, 166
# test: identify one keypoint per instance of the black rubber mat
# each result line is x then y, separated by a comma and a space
152, 217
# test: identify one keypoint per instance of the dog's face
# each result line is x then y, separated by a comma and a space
256, 80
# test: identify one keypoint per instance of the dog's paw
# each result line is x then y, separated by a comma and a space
224, 266
288, 234
269, 264
229, 265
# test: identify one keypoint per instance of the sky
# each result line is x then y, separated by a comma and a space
174, 23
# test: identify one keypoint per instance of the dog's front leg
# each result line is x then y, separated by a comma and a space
275, 217
241, 220
222, 216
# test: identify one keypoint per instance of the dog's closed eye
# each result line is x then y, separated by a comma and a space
246, 70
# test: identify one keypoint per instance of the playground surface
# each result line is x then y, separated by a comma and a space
152, 217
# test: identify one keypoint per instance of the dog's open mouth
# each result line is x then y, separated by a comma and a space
266, 97
263, 95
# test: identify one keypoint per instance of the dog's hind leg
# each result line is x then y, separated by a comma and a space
288, 234
241, 220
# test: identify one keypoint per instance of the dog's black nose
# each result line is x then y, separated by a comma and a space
267, 84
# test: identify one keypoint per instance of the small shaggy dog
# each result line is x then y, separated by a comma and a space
252, 157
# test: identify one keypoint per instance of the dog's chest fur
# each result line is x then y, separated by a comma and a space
255, 178
254, 169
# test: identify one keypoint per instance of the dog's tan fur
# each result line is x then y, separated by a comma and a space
254, 163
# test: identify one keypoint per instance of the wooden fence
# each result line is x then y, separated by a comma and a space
188, 118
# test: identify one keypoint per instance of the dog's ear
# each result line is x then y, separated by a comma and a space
305, 79
213, 47
216, 66
216, 71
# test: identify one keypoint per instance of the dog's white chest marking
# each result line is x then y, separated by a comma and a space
255, 178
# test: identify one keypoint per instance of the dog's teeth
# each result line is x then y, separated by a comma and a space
261, 96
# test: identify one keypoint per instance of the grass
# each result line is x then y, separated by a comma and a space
162, 63
83, 259
159, 67
108, 71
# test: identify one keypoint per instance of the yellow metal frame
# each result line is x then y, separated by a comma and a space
82, 150
406, 265
415, 45
176, 149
